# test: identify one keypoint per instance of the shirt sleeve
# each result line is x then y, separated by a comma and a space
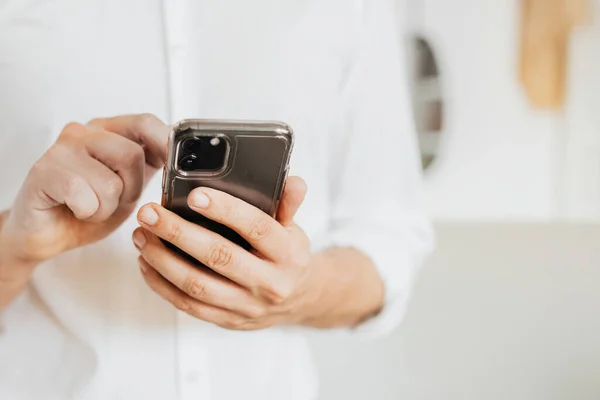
377, 203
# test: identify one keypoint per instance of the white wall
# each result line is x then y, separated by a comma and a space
581, 181
501, 312
500, 159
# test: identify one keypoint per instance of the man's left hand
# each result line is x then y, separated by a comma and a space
242, 290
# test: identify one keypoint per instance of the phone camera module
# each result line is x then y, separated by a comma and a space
202, 154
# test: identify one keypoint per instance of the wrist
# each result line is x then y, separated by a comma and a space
344, 289
14, 272
309, 305
9, 253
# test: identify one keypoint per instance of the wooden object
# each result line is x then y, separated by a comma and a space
546, 29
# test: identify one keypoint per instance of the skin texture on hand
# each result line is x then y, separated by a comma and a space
82, 189
279, 283
89, 182
14, 273
85, 185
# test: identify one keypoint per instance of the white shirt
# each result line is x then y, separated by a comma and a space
88, 327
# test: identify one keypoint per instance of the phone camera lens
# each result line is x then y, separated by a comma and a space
202, 153
191, 145
189, 163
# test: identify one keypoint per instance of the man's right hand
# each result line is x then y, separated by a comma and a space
85, 186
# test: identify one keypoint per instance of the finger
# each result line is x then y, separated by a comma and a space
220, 255
144, 129
121, 155
205, 286
291, 200
57, 185
105, 183
66, 178
263, 233
183, 302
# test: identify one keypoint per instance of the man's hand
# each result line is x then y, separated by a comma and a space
242, 290
279, 283
84, 186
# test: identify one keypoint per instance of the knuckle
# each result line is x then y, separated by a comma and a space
285, 293
72, 185
95, 122
257, 313
114, 186
54, 153
72, 129
173, 234
135, 157
233, 323
136, 154
220, 256
39, 167
278, 294
193, 287
260, 228
182, 304
146, 121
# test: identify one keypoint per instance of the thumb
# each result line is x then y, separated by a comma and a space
291, 200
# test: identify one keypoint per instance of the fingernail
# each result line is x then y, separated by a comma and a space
148, 216
139, 239
199, 199
143, 267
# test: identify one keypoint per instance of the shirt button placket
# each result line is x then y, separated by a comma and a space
177, 54
192, 356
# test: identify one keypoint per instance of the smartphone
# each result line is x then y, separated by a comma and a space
247, 159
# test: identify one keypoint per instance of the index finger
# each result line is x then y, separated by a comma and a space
145, 129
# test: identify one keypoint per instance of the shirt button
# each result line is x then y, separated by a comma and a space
192, 377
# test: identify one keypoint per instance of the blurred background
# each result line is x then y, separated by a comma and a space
506, 97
